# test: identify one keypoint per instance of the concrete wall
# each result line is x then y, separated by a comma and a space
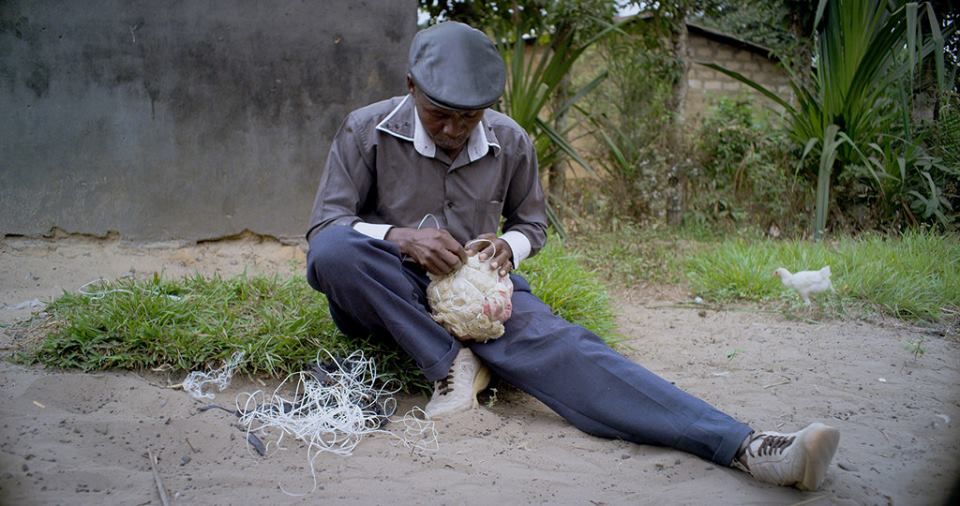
182, 119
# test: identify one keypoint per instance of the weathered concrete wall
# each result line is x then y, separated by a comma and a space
182, 119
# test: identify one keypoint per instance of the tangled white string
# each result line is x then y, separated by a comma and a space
330, 409
99, 294
220, 378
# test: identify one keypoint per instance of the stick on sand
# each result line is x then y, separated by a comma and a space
156, 476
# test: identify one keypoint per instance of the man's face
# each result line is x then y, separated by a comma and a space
449, 128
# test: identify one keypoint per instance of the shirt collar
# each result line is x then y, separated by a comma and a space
397, 124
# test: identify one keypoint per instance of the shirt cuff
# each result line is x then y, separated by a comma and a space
375, 230
519, 244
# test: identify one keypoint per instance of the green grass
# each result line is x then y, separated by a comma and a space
189, 323
196, 322
559, 278
916, 276
280, 322
634, 255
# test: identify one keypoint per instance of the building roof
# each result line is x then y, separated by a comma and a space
717, 35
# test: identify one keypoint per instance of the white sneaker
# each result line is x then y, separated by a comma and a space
797, 459
458, 391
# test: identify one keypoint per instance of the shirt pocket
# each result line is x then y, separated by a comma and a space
487, 217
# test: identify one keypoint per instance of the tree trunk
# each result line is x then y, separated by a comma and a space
802, 60
679, 93
557, 172
676, 137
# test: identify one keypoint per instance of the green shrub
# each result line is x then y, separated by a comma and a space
742, 176
628, 115
852, 116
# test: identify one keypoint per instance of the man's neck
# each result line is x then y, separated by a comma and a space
453, 153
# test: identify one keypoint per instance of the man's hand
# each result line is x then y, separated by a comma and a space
435, 250
486, 250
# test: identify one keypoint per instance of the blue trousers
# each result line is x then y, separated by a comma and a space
371, 290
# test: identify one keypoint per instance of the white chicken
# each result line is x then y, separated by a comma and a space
806, 282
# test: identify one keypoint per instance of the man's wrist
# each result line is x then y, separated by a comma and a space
399, 236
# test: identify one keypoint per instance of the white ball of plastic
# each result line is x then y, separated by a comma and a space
472, 302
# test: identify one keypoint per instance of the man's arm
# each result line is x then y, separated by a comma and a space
434, 249
524, 207
346, 180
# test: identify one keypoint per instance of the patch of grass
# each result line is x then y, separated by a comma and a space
633, 255
573, 292
280, 323
915, 276
190, 323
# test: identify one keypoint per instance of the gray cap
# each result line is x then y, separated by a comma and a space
457, 67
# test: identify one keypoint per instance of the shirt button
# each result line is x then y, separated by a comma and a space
449, 204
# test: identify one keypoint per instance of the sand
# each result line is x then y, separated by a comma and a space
72, 438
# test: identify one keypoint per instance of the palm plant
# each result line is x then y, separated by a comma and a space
531, 83
860, 88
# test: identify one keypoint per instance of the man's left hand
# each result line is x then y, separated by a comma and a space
497, 250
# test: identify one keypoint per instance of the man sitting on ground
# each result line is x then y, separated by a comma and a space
441, 151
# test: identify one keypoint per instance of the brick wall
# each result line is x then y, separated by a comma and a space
707, 85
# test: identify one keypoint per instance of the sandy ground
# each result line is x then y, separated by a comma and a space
73, 438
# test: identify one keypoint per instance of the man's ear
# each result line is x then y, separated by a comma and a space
410, 86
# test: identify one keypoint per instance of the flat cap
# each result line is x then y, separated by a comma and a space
457, 66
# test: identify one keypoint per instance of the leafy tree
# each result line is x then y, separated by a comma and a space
669, 21
536, 18
496, 16
783, 26
631, 118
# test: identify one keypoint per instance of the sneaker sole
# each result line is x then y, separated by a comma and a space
820, 444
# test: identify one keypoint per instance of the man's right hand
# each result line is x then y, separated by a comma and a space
435, 250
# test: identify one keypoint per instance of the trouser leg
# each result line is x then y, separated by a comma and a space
370, 290
598, 390
565, 366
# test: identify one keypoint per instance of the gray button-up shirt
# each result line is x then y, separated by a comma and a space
376, 174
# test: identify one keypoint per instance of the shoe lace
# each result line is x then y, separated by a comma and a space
445, 385
771, 444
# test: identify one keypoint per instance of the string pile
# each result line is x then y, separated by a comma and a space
99, 294
330, 408
220, 378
